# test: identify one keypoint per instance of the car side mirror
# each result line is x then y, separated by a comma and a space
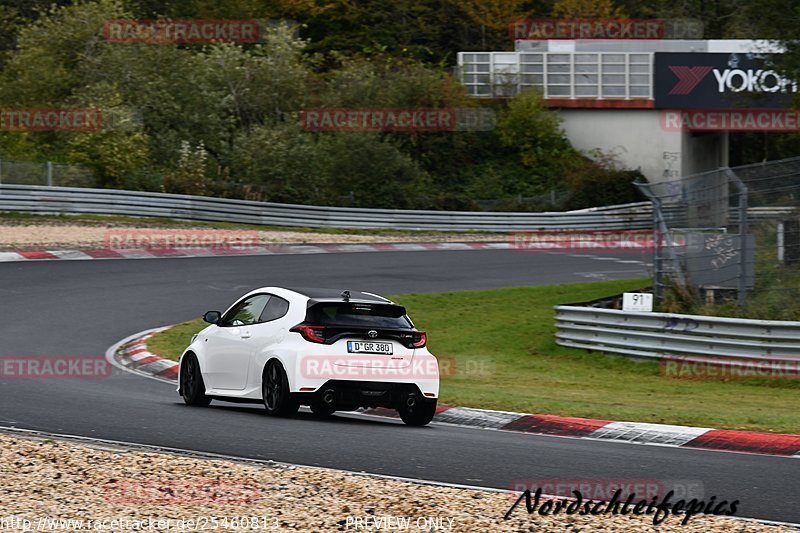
212, 317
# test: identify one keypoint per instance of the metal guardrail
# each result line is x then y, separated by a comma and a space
71, 200
655, 335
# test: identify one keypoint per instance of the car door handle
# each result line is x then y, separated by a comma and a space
245, 334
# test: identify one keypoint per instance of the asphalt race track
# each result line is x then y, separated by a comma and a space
80, 308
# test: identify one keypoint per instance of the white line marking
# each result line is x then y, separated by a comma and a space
138, 356
10, 256
135, 253
648, 433
71, 255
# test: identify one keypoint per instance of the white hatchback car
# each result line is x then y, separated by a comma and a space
328, 349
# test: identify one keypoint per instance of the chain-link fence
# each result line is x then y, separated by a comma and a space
730, 235
48, 173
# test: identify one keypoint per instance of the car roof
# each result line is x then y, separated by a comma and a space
320, 294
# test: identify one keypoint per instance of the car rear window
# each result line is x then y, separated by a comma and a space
358, 314
275, 309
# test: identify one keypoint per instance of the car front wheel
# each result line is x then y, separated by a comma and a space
193, 390
275, 391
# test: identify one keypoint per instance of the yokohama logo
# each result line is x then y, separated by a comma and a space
688, 78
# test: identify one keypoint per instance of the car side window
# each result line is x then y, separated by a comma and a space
276, 308
246, 312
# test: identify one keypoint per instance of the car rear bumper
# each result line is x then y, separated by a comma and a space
309, 374
348, 395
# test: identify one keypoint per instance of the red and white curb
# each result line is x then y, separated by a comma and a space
628, 432
131, 354
272, 249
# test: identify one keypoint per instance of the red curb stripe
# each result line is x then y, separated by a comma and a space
747, 441
334, 248
134, 350
102, 254
146, 360
164, 252
37, 255
383, 246
169, 373
556, 425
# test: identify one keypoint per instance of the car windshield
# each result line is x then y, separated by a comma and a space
358, 314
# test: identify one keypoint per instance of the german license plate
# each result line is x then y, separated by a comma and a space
369, 347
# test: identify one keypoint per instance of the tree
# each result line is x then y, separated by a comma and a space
587, 9
374, 173
534, 131
116, 151
284, 163
188, 174
493, 14
45, 69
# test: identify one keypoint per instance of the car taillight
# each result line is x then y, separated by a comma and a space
420, 339
310, 333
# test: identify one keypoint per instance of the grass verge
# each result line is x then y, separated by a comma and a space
505, 357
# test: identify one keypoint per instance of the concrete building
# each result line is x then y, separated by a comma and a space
616, 96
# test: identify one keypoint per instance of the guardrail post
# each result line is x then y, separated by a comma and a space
660, 231
743, 228
49, 173
742, 296
658, 262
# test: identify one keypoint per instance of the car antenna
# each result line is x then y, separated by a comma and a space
346, 296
